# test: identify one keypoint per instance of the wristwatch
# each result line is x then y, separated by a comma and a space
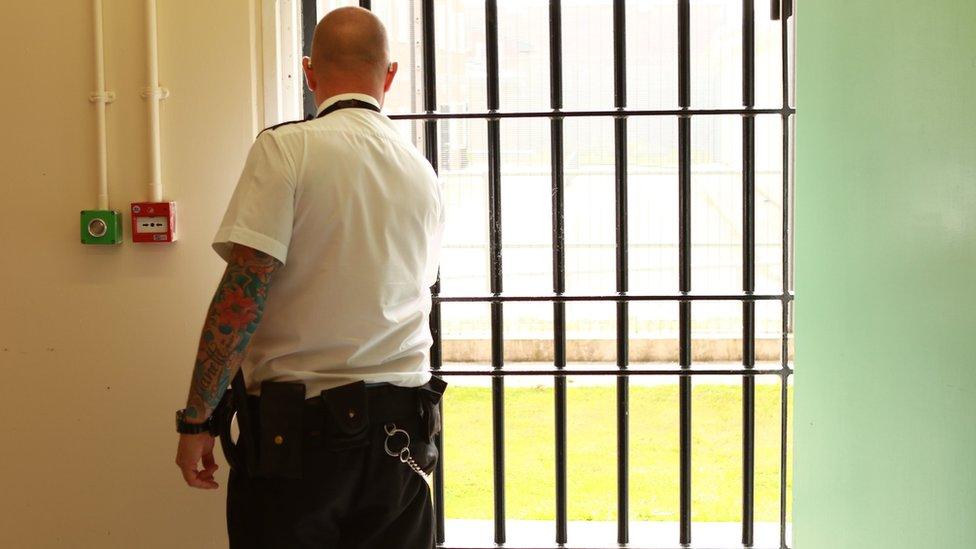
186, 428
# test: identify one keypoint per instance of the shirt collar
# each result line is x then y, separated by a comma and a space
344, 96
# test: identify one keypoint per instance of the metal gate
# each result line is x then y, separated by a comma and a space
622, 297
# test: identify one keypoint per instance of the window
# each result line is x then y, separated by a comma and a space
614, 304
282, 79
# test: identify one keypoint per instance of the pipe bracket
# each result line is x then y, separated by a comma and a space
103, 97
159, 93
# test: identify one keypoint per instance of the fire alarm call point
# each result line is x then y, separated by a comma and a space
154, 222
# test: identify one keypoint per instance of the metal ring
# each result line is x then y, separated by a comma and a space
390, 434
405, 454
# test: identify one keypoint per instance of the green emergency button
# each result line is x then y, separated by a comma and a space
101, 227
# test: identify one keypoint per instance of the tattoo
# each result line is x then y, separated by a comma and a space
234, 314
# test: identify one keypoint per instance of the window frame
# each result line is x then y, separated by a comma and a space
282, 82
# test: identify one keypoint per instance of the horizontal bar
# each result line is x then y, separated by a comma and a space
556, 113
630, 372
618, 298
607, 546
613, 245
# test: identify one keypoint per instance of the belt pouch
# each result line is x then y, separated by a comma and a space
281, 409
223, 418
429, 397
347, 426
428, 403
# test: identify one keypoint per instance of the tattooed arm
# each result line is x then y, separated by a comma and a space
233, 316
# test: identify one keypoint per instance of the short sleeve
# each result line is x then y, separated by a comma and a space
262, 210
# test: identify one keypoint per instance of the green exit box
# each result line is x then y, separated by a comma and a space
101, 227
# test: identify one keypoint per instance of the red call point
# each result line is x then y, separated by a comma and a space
153, 221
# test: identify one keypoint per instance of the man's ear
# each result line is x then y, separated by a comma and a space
390, 73
310, 80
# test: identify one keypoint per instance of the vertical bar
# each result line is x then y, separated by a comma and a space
748, 53
748, 459
748, 272
491, 53
558, 265
495, 262
556, 54
436, 361
429, 56
309, 20
498, 421
748, 328
366, 4
559, 341
786, 272
431, 152
684, 265
684, 53
619, 54
780, 8
684, 436
620, 159
623, 430
784, 424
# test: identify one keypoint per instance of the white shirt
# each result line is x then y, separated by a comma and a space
354, 213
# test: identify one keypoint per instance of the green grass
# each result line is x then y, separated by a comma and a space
529, 444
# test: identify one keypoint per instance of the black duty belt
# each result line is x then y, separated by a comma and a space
277, 427
342, 410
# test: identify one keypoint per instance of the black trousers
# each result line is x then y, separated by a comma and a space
351, 498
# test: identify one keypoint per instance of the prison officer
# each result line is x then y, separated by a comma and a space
320, 322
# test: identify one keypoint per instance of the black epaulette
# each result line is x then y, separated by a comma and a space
276, 126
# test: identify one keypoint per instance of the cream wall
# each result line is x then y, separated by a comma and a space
96, 343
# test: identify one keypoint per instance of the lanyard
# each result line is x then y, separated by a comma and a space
348, 104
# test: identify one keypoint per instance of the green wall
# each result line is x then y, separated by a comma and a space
886, 274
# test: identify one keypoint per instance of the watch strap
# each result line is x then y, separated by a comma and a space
186, 428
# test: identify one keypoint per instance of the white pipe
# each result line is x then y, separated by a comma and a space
100, 98
153, 96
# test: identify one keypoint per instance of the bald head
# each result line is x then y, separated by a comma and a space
350, 44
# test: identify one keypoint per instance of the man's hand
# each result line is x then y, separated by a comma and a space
193, 450
234, 314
